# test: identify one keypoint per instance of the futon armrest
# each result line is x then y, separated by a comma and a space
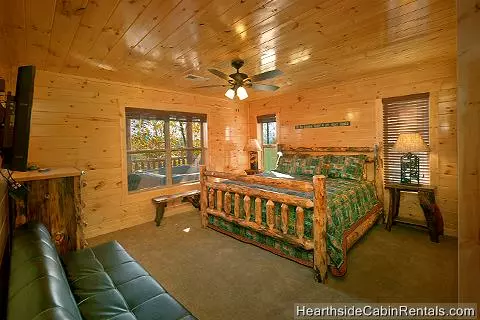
38, 287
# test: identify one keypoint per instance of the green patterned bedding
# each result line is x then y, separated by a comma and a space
348, 201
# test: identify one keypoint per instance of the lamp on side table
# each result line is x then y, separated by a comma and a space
253, 147
408, 143
409, 162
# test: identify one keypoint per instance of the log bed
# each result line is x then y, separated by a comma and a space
219, 189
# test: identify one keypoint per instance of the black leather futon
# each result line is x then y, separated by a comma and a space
103, 282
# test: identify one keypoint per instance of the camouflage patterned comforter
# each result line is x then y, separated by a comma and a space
348, 201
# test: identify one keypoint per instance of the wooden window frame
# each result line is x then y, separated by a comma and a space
266, 119
167, 116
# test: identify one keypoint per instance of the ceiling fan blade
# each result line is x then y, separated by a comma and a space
266, 75
212, 86
264, 87
219, 74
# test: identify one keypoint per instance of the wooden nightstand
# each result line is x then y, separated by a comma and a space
251, 172
426, 195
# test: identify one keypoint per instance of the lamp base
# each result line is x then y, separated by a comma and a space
253, 156
410, 169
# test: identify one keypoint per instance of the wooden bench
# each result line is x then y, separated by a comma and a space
161, 202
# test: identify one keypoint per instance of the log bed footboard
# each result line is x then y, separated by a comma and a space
216, 199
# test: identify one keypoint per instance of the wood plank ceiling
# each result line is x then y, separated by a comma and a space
158, 42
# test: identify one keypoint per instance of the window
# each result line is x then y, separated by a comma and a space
269, 140
163, 148
406, 114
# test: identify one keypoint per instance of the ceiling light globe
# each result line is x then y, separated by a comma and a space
230, 93
242, 93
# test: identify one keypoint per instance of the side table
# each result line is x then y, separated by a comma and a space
251, 171
426, 195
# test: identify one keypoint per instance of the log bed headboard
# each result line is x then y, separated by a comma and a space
372, 165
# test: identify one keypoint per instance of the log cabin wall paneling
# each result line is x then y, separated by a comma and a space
157, 43
79, 122
4, 245
3, 216
468, 16
5, 73
359, 101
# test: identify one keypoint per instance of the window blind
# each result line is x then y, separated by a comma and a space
266, 118
405, 114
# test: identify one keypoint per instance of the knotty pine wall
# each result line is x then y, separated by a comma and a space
3, 216
79, 122
4, 250
359, 101
468, 17
4, 224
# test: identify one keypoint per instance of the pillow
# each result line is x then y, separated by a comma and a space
322, 165
336, 166
286, 164
300, 164
353, 167
305, 165
346, 167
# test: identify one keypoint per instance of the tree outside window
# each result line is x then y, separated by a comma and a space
163, 148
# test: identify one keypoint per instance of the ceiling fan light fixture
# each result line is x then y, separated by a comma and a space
238, 80
230, 93
242, 93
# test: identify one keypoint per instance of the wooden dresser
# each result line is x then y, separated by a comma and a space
53, 198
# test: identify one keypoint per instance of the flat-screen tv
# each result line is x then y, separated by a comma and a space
15, 127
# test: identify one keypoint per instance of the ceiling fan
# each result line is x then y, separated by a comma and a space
239, 81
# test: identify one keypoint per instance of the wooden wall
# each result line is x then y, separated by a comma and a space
79, 122
4, 231
3, 216
359, 101
5, 73
158, 42
469, 149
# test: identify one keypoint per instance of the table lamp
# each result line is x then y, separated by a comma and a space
410, 163
253, 147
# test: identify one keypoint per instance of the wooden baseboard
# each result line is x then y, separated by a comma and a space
451, 232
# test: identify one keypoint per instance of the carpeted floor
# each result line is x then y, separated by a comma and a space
218, 277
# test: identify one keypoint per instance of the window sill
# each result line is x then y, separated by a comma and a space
149, 193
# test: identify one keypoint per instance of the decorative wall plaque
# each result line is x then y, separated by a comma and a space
323, 125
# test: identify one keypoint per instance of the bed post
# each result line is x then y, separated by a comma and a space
319, 229
378, 178
376, 166
203, 195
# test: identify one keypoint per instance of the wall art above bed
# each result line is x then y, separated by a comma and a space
323, 125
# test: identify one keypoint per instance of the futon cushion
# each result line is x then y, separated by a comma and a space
38, 288
108, 283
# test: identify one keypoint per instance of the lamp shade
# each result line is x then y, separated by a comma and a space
410, 142
230, 93
252, 145
242, 93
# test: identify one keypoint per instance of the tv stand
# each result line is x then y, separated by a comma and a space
53, 198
